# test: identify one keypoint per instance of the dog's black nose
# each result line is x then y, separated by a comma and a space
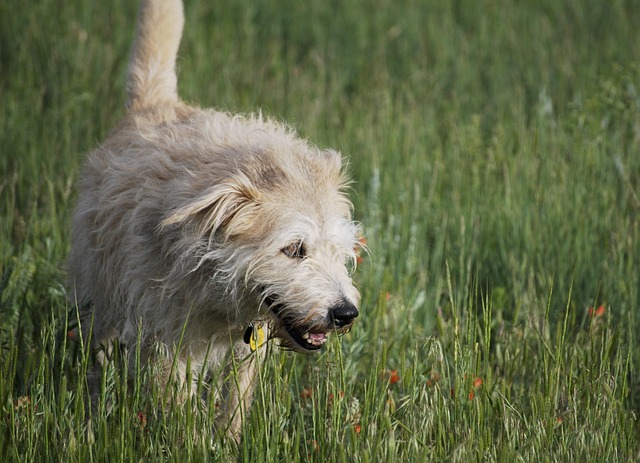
343, 314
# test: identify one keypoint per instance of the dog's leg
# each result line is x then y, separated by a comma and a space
241, 383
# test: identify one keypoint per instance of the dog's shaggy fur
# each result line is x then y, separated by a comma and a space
193, 224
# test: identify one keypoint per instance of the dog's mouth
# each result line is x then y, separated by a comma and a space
305, 338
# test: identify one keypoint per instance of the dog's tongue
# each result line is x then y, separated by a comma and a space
314, 339
316, 336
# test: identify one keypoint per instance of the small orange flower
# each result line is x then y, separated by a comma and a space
357, 428
599, 312
477, 383
142, 420
306, 393
471, 394
559, 420
362, 244
394, 377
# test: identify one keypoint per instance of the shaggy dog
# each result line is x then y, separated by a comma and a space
199, 234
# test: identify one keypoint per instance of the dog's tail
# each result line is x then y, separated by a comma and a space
151, 78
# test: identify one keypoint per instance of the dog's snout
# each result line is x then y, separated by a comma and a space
343, 314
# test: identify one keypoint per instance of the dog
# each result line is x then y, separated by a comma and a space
199, 234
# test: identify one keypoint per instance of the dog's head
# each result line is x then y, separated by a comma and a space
304, 273
277, 233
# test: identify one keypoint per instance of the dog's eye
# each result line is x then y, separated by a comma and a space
295, 250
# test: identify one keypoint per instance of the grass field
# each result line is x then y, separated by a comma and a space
495, 151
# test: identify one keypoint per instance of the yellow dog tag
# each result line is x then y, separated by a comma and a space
255, 336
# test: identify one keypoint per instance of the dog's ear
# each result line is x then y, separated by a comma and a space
333, 166
227, 207
334, 170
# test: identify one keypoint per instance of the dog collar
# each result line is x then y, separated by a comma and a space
255, 336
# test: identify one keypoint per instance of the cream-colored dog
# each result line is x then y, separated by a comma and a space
199, 232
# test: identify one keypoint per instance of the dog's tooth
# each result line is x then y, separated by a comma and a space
305, 335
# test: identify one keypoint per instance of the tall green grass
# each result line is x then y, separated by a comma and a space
495, 151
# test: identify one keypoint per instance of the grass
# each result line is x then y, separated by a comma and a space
495, 148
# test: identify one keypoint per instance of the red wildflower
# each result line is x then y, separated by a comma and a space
362, 244
599, 312
306, 393
142, 420
471, 394
394, 377
357, 428
477, 383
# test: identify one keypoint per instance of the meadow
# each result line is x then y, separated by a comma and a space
495, 151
